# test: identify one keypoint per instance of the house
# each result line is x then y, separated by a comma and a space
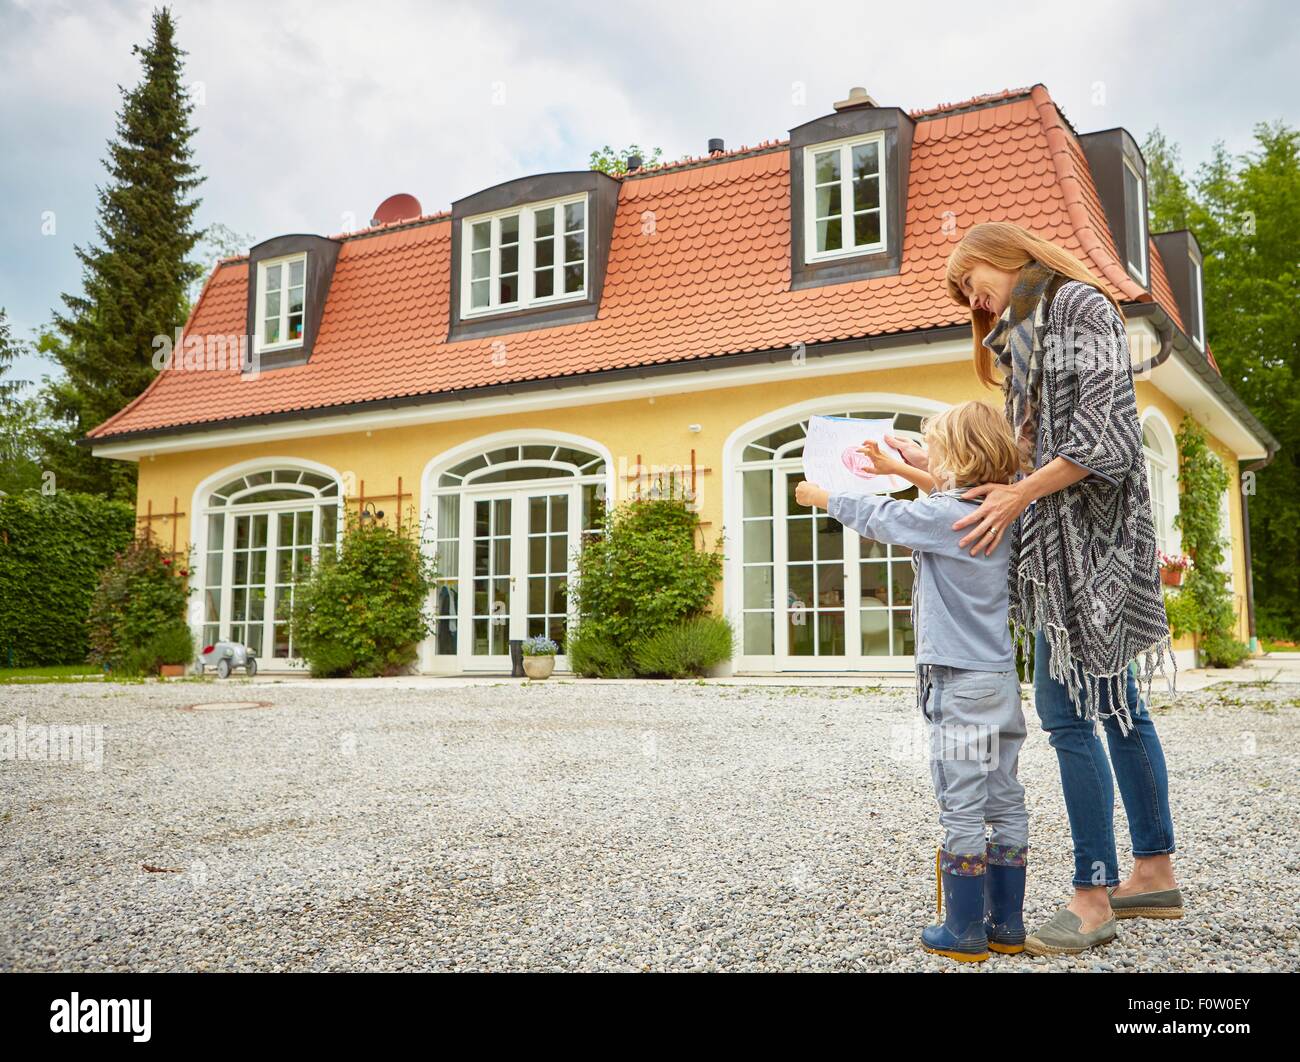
501, 370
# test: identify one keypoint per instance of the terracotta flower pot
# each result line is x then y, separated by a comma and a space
538, 667
171, 670
1171, 576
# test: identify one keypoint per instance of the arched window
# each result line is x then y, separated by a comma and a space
264, 530
507, 521
1160, 453
814, 593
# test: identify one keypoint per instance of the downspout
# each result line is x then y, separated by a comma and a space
1250, 571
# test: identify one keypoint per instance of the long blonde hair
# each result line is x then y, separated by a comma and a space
1006, 246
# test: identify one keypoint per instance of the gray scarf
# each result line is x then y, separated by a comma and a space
1083, 560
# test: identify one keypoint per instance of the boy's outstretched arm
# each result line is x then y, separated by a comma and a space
919, 524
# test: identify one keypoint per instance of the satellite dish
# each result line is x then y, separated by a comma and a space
400, 207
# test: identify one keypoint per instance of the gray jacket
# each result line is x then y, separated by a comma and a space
959, 602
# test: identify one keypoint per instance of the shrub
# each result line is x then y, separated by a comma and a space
173, 644
363, 613
137, 610
1203, 606
593, 654
1221, 650
691, 647
643, 572
52, 551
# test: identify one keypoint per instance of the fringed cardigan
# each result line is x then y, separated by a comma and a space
1083, 566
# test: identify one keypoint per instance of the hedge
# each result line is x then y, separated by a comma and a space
52, 550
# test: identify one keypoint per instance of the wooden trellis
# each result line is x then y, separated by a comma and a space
174, 516
362, 499
639, 473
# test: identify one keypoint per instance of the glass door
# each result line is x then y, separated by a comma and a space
487, 627
813, 584
842, 601
519, 549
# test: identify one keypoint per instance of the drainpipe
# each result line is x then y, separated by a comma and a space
1250, 571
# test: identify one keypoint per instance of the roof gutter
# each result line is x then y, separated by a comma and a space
766, 355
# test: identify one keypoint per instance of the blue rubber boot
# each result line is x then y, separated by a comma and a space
960, 935
1004, 899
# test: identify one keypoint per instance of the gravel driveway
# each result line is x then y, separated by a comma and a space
579, 826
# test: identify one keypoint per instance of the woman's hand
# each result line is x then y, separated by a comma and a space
810, 494
913, 454
1002, 504
881, 463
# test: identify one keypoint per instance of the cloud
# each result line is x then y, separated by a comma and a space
310, 114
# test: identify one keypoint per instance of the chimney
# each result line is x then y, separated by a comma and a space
634, 162
857, 98
716, 145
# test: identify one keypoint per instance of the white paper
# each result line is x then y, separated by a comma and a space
831, 460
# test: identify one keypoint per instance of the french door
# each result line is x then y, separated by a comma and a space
841, 600
514, 561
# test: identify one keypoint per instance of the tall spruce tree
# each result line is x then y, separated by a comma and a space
136, 277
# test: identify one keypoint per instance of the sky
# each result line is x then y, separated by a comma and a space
311, 113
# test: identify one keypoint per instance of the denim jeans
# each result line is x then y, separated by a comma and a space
1139, 765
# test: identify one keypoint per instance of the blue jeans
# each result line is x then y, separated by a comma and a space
1139, 765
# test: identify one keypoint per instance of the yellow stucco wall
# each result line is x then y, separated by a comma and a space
656, 429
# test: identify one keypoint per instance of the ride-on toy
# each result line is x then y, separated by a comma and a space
225, 656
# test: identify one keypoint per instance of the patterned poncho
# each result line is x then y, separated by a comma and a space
1083, 560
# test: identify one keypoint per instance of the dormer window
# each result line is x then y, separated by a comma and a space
524, 258
844, 215
848, 193
1135, 222
1196, 325
281, 302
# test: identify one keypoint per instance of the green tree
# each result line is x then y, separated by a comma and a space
135, 278
1245, 213
1169, 197
613, 162
9, 350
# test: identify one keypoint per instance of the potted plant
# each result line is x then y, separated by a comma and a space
1172, 567
539, 656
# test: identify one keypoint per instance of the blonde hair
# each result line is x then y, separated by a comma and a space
1006, 246
970, 444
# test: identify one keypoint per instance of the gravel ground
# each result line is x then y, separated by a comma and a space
580, 826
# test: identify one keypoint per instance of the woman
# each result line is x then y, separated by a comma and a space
1085, 587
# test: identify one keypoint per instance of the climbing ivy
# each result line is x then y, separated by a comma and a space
1203, 606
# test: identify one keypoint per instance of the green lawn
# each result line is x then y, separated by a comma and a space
1272, 645
58, 673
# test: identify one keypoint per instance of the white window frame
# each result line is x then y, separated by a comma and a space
845, 147
1198, 301
259, 325
1162, 482
527, 237
1139, 270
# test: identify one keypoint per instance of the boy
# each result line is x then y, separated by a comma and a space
967, 686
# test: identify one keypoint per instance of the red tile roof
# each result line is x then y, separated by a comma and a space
712, 278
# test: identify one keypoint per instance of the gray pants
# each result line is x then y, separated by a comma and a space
976, 730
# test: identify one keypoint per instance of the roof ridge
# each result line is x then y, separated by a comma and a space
972, 104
